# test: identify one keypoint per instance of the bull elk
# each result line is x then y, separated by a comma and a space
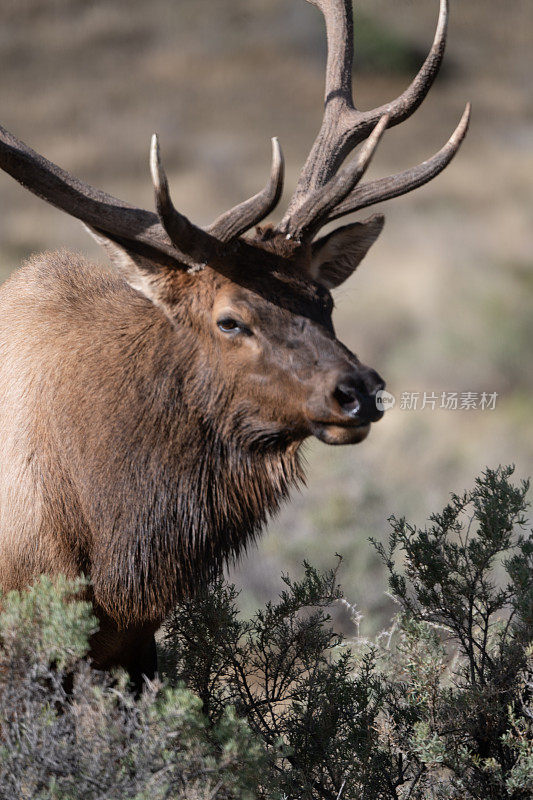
151, 417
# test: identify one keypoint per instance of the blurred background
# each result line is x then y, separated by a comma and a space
443, 301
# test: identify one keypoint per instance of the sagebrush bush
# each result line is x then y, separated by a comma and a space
282, 706
68, 732
436, 707
473, 734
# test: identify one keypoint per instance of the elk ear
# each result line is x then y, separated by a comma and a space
336, 255
139, 272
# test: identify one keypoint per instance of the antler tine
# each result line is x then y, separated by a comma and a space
196, 244
407, 103
343, 125
368, 194
320, 205
241, 218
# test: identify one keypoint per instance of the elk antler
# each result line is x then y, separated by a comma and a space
96, 208
344, 126
194, 241
169, 238
323, 192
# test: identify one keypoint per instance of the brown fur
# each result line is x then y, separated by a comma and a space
141, 447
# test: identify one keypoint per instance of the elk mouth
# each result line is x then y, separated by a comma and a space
338, 433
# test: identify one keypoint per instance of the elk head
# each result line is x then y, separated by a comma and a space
256, 310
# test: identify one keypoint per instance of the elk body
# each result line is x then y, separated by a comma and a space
151, 417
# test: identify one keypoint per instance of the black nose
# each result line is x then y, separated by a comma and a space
356, 395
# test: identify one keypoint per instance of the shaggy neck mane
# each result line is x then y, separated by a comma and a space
198, 516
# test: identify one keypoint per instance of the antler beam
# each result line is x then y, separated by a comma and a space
94, 207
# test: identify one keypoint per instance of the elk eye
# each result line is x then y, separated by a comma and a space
229, 325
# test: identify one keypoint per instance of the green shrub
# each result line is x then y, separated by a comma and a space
96, 740
438, 706
473, 728
280, 705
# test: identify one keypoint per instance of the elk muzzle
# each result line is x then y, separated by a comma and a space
344, 412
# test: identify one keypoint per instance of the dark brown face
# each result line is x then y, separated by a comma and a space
285, 375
